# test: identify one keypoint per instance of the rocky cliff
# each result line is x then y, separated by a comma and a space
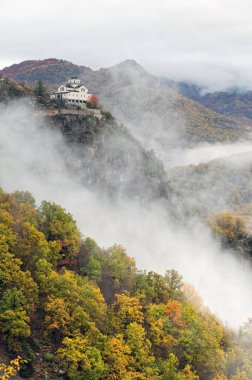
104, 155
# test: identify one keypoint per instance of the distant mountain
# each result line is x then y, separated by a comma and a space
188, 89
234, 102
156, 114
229, 103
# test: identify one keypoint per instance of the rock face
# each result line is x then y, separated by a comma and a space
104, 155
156, 114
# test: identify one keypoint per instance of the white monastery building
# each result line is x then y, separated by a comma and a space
73, 92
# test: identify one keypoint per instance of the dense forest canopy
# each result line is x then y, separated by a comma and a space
68, 304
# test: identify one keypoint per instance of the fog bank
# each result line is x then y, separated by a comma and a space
32, 157
205, 153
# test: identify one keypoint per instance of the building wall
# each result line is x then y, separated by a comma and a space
77, 97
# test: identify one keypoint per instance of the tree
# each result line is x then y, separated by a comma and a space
121, 267
14, 325
57, 318
80, 360
201, 343
161, 338
125, 310
11, 276
60, 227
230, 227
140, 348
94, 269
91, 260
32, 246
71, 291
169, 368
117, 355
8, 238
40, 91
152, 286
174, 282
25, 197
174, 310
81, 322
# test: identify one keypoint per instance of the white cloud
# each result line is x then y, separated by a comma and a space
202, 40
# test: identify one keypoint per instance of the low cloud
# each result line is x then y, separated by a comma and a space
205, 153
32, 157
208, 42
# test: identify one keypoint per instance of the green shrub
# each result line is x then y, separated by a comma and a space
48, 357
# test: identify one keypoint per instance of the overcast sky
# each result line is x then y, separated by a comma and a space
207, 41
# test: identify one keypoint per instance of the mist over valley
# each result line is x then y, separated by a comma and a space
126, 190
151, 170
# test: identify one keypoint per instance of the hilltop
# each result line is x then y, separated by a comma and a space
100, 151
155, 113
51, 71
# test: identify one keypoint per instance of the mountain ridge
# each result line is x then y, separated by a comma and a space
232, 102
153, 111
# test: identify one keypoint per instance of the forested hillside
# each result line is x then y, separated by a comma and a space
70, 308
